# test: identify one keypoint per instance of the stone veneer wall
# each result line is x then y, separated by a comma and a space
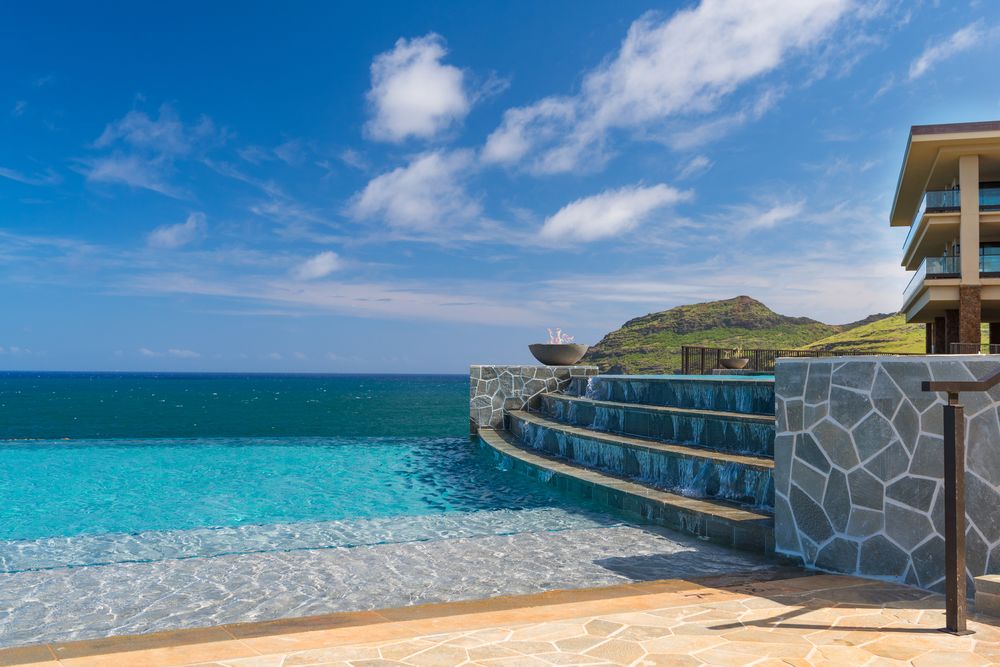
858, 466
495, 388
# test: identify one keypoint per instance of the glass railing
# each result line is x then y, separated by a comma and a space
989, 264
943, 201
936, 267
936, 201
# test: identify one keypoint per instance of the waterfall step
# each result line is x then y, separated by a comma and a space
713, 520
738, 478
734, 432
743, 394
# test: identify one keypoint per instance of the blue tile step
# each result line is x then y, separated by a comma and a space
688, 471
712, 520
744, 394
732, 432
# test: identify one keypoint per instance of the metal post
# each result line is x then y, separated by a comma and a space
954, 517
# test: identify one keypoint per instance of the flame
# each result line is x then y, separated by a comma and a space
557, 337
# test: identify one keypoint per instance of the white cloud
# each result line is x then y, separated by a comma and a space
19, 107
181, 234
754, 217
413, 94
144, 149
696, 166
166, 134
680, 66
961, 40
610, 213
422, 196
146, 352
319, 266
182, 353
48, 178
134, 171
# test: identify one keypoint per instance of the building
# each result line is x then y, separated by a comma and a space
949, 195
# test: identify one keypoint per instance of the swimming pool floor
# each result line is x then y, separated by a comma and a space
66, 603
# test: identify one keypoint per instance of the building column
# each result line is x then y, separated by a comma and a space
970, 318
940, 337
950, 330
929, 338
968, 230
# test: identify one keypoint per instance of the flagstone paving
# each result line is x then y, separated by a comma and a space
806, 620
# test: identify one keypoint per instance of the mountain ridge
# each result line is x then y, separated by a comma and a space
651, 343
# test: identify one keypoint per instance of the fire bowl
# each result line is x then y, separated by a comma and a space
558, 354
737, 363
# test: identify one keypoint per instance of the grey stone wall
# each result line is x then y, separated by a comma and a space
495, 388
858, 466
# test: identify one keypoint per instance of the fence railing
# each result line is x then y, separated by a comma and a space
697, 360
973, 348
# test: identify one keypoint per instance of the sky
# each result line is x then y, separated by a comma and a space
416, 187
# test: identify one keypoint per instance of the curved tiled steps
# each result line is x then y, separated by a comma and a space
697, 472
732, 432
713, 520
748, 395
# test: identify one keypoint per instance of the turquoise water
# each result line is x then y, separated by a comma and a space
100, 458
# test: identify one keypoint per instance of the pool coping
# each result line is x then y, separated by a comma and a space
248, 640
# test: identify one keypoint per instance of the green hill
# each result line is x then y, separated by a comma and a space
651, 344
887, 334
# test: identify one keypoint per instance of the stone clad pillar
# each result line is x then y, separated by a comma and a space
969, 317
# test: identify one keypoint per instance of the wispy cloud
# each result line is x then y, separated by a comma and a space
682, 65
143, 150
20, 107
49, 177
961, 40
180, 234
696, 166
414, 94
609, 213
318, 266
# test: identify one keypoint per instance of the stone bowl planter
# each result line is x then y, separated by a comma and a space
561, 354
735, 364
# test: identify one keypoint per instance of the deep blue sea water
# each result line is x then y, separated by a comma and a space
344, 459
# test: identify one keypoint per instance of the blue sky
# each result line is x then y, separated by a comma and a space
414, 187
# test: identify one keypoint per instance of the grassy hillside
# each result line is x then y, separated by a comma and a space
888, 334
651, 344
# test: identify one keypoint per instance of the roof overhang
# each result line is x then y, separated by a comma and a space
931, 162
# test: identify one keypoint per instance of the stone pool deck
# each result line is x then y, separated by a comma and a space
728, 620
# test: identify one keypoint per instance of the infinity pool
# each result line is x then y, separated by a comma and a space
99, 501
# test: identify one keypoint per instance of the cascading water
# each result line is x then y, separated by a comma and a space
691, 476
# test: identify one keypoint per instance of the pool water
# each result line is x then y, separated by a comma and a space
99, 501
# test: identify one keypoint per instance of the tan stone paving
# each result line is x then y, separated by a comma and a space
812, 620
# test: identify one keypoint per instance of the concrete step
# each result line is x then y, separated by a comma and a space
715, 521
732, 432
691, 471
720, 393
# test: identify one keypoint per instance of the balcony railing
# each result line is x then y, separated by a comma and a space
940, 201
946, 201
933, 267
947, 267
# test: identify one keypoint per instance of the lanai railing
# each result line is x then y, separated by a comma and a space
697, 360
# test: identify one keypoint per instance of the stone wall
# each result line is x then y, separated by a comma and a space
859, 459
495, 388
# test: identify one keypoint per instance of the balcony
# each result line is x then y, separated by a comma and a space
949, 201
945, 201
948, 267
